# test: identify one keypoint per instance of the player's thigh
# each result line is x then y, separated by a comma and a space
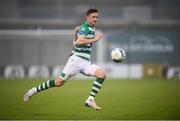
72, 67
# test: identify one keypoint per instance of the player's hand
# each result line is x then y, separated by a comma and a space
74, 44
98, 36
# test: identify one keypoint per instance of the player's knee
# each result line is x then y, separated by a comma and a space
101, 73
59, 82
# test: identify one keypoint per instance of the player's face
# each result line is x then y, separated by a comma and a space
92, 19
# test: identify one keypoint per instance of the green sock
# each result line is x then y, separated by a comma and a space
96, 86
46, 85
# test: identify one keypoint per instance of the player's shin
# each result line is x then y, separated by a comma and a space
46, 85
97, 84
90, 102
34, 90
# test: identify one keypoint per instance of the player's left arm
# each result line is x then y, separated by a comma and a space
75, 37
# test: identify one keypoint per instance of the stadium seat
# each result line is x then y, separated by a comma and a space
38, 71
56, 70
14, 71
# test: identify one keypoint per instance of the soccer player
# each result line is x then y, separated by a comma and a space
79, 61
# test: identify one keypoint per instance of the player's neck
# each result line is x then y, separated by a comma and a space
90, 24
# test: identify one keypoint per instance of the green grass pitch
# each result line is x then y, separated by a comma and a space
120, 99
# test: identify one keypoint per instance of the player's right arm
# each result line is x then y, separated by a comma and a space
82, 40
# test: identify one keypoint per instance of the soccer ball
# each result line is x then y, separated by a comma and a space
118, 54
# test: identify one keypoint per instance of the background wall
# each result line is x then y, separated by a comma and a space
39, 32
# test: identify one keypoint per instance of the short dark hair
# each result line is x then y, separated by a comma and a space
91, 10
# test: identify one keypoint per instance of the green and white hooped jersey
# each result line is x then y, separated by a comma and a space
84, 51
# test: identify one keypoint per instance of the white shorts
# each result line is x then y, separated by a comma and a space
76, 65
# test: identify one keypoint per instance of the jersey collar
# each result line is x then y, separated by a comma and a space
88, 24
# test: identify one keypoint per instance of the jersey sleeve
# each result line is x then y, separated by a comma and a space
83, 31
